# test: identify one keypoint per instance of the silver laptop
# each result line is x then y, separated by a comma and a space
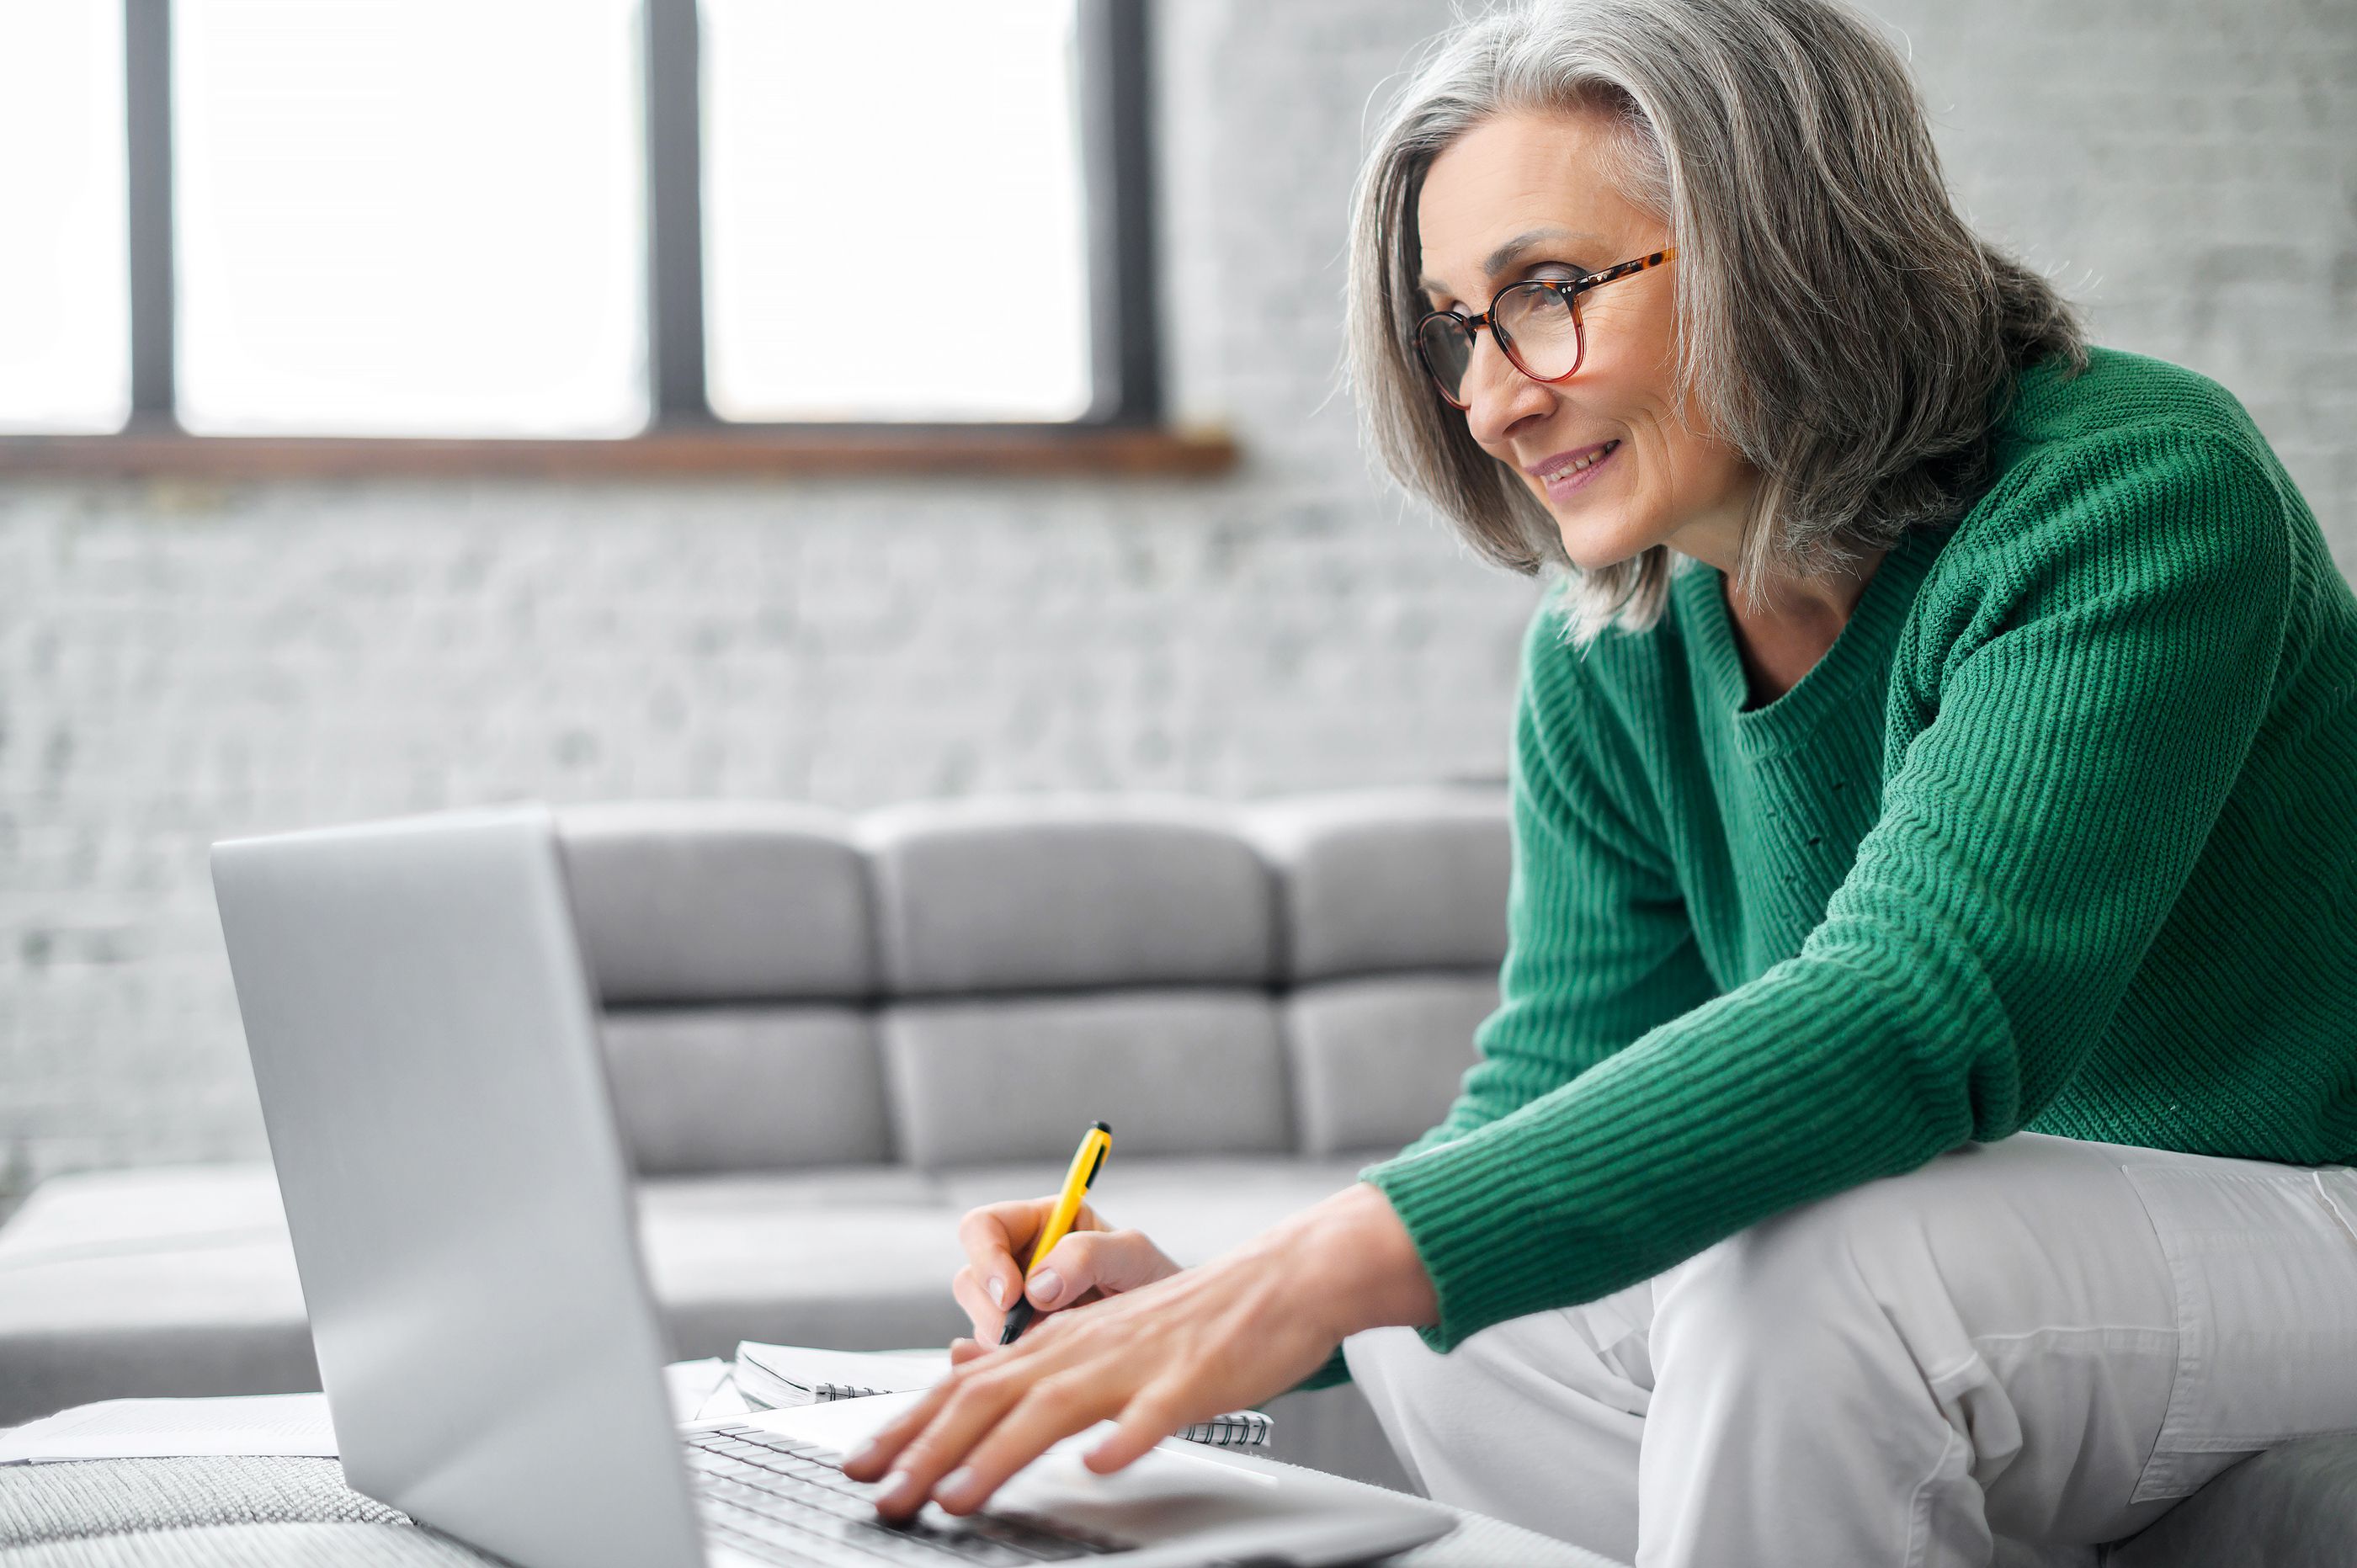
425, 1036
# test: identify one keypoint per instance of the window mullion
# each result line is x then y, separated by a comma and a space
147, 103
1116, 141
674, 215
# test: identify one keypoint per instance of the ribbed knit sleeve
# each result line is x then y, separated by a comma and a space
1599, 949
2093, 671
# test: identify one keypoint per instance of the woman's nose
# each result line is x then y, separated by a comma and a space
1498, 396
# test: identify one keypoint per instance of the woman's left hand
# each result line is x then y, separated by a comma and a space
1242, 1328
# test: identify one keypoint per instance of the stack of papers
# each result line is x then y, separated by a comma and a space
165, 1429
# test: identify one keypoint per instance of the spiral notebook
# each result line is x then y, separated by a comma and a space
778, 1377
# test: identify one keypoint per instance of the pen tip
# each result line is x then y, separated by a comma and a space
1103, 1128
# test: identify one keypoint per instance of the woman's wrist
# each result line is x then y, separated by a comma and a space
1355, 1259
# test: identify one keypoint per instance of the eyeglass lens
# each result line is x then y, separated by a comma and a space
1535, 324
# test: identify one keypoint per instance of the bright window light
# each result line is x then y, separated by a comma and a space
65, 302
409, 217
892, 211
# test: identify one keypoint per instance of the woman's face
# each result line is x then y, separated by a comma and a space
1609, 452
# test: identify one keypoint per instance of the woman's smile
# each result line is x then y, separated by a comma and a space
1566, 472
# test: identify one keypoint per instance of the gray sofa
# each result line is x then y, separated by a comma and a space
829, 1035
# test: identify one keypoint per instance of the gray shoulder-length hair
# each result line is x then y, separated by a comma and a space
1839, 323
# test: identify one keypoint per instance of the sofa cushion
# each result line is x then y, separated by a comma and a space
801, 1259
1020, 1078
165, 1281
707, 1089
1065, 891
2293, 1507
719, 901
1393, 879
1376, 1061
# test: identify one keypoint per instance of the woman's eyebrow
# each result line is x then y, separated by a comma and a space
1507, 254
1510, 251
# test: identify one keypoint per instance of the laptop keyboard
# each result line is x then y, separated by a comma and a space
786, 1502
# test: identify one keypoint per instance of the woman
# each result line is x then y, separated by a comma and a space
1933, 987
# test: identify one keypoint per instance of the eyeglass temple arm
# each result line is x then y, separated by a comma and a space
1626, 269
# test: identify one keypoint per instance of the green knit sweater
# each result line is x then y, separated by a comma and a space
2060, 835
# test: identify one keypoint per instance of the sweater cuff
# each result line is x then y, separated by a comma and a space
1448, 1197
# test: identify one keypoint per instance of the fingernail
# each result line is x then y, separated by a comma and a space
950, 1491
899, 1487
998, 1288
861, 1454
1045, 1287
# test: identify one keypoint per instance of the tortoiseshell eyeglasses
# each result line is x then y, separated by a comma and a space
1535, 323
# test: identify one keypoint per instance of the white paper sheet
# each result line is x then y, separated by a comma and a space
700, 1389
813, 1369
160, 1428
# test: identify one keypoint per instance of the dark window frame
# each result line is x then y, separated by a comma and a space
1123, 429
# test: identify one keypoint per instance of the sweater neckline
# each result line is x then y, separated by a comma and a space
1861, 650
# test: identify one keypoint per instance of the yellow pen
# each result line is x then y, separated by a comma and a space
1087, 1160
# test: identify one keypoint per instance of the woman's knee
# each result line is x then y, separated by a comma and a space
1825, 1273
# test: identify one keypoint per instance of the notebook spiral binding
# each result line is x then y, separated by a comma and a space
1237, 1429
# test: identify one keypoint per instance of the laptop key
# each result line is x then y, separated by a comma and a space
787, 1496
768, 1550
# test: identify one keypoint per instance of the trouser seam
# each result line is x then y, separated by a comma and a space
1918, 1511
2139, 1493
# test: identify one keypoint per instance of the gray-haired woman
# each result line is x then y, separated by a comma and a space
1930, 1018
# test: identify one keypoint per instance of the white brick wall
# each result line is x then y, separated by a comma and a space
182, 662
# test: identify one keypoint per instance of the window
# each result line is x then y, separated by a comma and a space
897, 245
379, 232
65, 331
569, 219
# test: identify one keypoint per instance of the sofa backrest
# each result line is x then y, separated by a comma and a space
970, 982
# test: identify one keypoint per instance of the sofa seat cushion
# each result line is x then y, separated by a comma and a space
803, 1259
2294, 1507
165, 1281
854, 1261
177, 1282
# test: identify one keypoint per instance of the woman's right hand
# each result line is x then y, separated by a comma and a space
1091, 1262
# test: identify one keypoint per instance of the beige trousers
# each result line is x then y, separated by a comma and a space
2038, 1339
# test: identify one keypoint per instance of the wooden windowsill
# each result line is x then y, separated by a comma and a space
720, 451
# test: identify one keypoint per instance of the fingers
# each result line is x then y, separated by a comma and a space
964, 1350
997, 1236
869, 1462
1149, 1418
989, 1422
1107, 1260
991, 1236
1055, 1407
984, 1314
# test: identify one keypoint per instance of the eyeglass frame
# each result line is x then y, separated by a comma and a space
1570, 289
